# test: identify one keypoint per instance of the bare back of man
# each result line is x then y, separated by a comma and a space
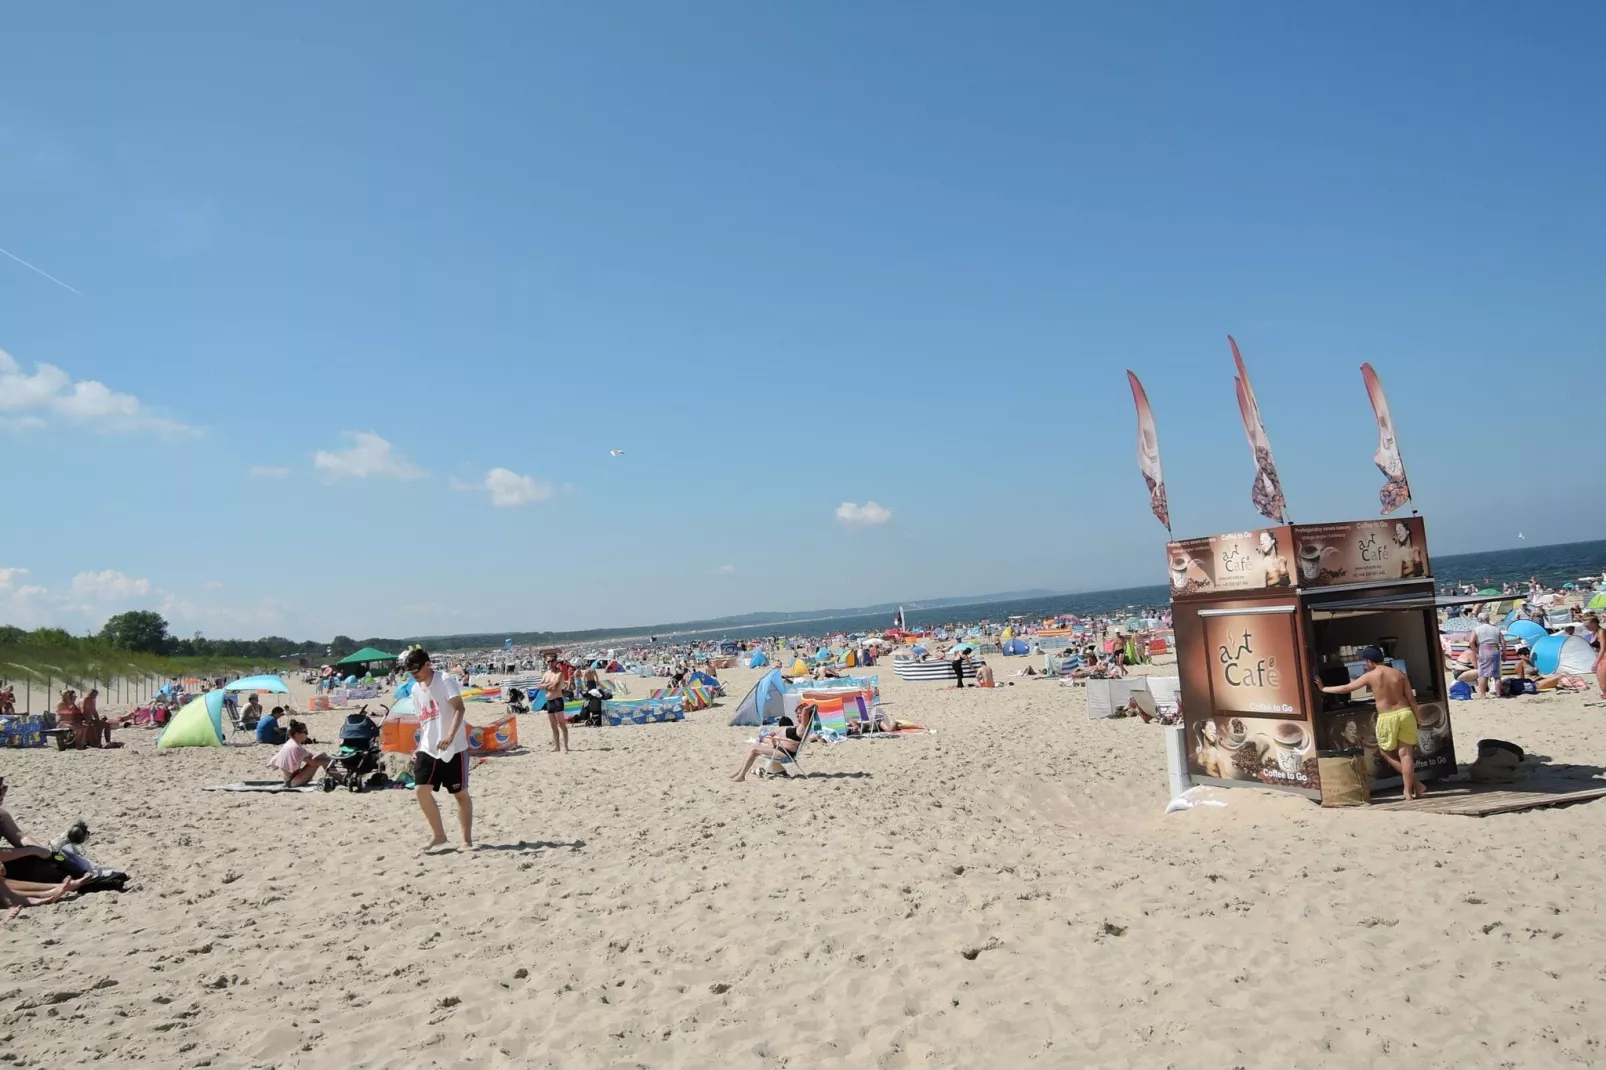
1391, 688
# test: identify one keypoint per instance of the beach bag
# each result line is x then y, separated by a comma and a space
1497, 762
1345, 779
1460, 692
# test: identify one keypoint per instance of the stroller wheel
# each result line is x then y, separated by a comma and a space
328, 784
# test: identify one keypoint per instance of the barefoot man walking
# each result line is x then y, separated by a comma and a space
441, 760
1396, 715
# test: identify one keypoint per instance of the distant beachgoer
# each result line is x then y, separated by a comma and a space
1491, 644
294, 761
1396, 714
1592, 632
552, 684
959, 668
442, 756
97, 730
984, 675
591, 690
1464, 666
268, 729
252, 712
8, 701
70, 717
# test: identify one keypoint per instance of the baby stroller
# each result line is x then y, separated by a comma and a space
356, 764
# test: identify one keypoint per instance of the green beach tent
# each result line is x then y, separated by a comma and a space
198, 723
1597, 600
365, 655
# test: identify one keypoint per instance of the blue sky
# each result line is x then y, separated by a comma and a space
336, 265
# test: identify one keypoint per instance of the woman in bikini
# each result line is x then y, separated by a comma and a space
783, 744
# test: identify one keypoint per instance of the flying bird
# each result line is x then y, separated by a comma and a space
616, 453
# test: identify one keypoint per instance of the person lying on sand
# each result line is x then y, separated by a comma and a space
16, 895
294, 761
782, 744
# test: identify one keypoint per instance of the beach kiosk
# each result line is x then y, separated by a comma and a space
1261, 616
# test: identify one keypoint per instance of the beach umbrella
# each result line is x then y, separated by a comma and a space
1459, 626
274, 684
963, 647
1490, 591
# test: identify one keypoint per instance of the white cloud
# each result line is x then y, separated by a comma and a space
859, 515
23, 605
268, 471
213, 585
29, 398
108, 585
368, 455
510, 489
722, 570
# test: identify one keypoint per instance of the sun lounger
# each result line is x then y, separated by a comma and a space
790, 761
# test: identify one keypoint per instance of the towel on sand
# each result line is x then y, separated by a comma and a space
269, 786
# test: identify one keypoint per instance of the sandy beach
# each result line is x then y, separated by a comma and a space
1005, 890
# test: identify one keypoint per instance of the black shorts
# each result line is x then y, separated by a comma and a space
437, 773
554, 705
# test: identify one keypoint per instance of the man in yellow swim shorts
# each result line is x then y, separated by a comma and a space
1396, 715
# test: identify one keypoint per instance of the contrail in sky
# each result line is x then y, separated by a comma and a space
40, 271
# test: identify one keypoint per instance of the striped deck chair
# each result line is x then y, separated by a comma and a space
832, 720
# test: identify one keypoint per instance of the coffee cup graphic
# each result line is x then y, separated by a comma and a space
1290, 738
1311, 557
1181, 565
1430, 727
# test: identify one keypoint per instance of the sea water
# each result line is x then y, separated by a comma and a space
1551, 565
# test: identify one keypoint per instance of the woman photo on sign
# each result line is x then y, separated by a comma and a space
1411, 563
1274, 561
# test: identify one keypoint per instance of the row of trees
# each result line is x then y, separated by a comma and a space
146, 631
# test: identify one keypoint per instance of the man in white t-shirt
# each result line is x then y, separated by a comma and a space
441, 760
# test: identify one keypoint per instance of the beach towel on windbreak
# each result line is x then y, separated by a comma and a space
267, 787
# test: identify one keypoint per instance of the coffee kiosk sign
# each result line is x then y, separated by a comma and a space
1298, 555
1241, 561
1362, 551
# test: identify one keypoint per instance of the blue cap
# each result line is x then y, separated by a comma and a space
1372, 654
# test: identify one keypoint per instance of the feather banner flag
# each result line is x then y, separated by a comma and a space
1267, 493
1397, 491
1149, 453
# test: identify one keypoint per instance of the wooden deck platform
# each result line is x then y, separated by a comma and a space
1485, 800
